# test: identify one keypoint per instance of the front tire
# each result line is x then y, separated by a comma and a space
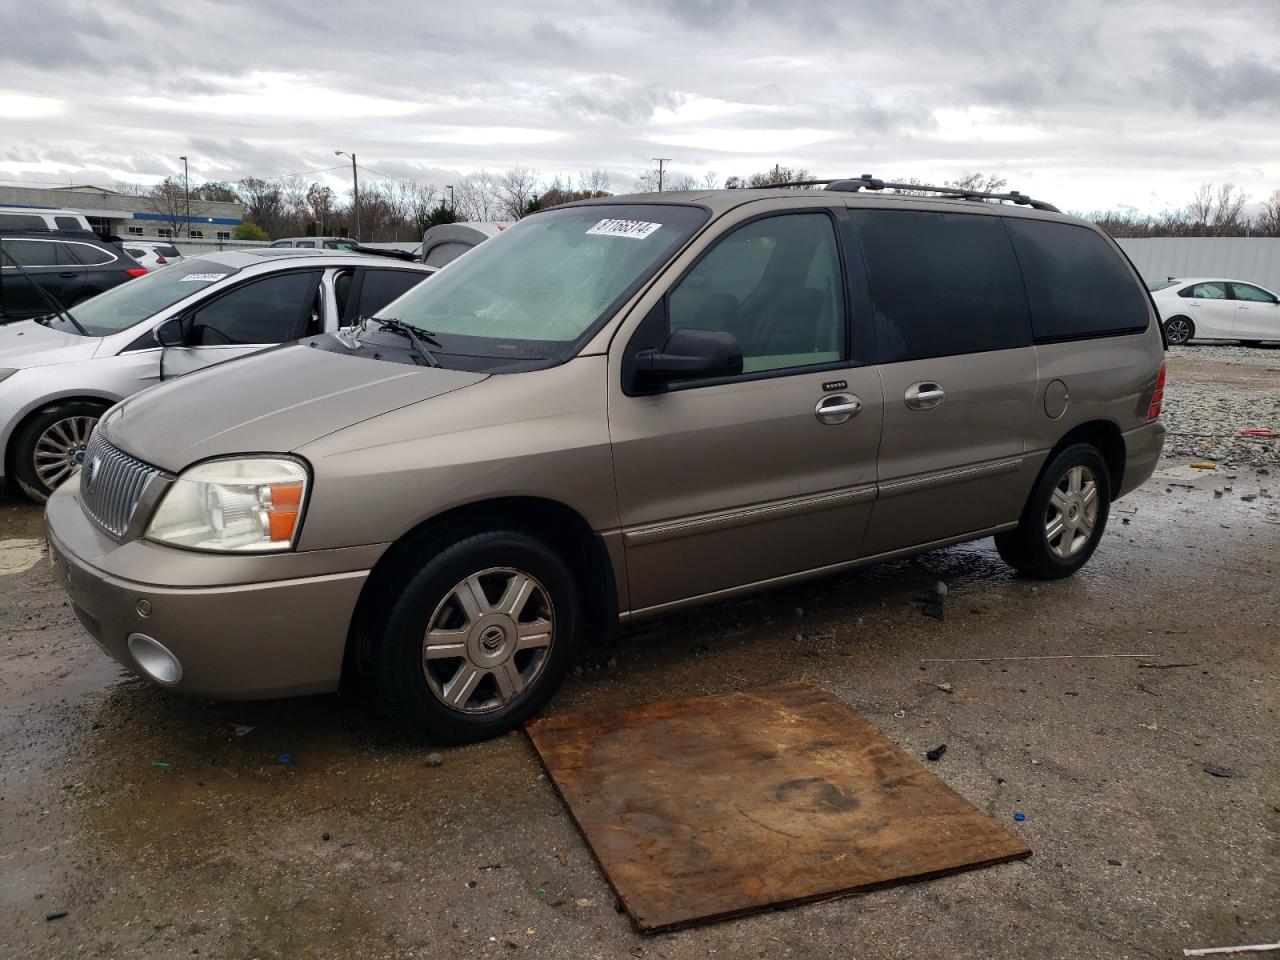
1064, 517
478, 638
1178, 330
48, 448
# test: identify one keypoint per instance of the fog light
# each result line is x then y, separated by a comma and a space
155, 659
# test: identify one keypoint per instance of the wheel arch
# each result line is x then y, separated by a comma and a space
559, 526
1106, 437
35, 409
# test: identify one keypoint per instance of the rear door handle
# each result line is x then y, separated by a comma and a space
837, 408
924, 395
69, 274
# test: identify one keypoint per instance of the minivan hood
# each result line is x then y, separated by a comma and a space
270, 402
30, 344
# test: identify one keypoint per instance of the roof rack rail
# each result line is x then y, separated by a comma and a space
868, 182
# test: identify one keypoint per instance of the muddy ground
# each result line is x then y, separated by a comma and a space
162, 827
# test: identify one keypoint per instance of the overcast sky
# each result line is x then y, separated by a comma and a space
1087, 104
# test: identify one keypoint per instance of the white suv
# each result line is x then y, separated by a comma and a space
1209, 308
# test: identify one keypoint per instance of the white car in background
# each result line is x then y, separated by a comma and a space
151, 254
1211, 308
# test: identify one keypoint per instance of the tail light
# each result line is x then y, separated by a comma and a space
1157, 396
136, 271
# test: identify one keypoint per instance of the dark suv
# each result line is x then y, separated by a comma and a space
68, 267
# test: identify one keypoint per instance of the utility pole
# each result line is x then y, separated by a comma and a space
450, 186
661, 162
186, 190
355, 186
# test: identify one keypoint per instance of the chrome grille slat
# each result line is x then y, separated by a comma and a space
112, 484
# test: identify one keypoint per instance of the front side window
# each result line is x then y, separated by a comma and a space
131, 303
307, 244
1078, 284
776, 285
534, 290
380, 287
942, 284
1205, 291
30, 253
1247, 291
272, 310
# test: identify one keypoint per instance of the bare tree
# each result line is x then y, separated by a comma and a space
215, 191
983, 183
517, 189
1200, 208
595, 183
170, 199
293, 189
710, 181
1267, 222
264, 203
476, 196
424, 208
320, 202
1228, 209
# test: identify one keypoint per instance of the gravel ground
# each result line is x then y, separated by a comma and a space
1204, 416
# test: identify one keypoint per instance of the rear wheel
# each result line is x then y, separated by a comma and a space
49, 447
1179, 330
1064, 518
477, 639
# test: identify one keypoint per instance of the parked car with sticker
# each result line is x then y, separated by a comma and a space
60, 373
1207, 308
615, 409
152, 255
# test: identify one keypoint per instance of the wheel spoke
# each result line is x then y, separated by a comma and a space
534, 634
1059, 499
1055, 528
1089, 494
1075, 477
459, 689
510, 682
445, 644
472, 599
519, 589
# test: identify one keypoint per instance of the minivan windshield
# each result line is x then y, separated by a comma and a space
534, 290
136, 300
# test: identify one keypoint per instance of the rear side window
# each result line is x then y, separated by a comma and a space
30, 253
942, 284
167, 251
67, 223
90, 255
1205, 291
380, 287
22, 221
1077, 284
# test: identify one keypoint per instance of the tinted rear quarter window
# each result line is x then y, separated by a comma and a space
1078, 285
67, 223
942, 284
90, 255
22, 221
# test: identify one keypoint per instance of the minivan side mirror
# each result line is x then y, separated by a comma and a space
171, 333
689, 355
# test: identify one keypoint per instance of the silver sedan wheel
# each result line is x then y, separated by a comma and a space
1073, 512
60, 449
1177, 330
488, 640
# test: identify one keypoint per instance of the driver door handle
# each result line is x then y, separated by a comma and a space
837, 408
924, 395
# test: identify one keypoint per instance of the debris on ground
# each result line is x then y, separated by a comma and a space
285, 758
1052, 656
434, 759
935, 602
1219, 951
159, 763
240, 729
936, 753
1019, 816
1204, 466
55, 915
1224, 772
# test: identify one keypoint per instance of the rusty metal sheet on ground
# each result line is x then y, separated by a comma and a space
709, 808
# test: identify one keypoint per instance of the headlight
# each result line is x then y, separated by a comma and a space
245, 506
6, 373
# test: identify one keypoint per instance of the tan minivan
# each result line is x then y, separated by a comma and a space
615, 409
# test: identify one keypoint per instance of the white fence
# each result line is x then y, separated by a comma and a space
190, 246
1256, 259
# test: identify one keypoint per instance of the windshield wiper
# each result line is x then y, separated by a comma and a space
58, 308
419, 338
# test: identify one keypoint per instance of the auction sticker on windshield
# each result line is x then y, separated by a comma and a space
203, 277
635, 229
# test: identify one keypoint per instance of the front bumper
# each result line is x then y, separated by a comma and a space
240, 626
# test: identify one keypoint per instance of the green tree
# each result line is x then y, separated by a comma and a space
441, 214
248, 230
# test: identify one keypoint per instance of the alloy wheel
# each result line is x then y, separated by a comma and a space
488, 640
1072, 513
59, 451
1177, 330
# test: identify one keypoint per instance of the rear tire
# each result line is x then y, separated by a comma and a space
477, 638
1178, 330
1064, 517
48, 448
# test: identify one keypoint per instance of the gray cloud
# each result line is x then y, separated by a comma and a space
1086, 101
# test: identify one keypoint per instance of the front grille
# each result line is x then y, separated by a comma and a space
111, 484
